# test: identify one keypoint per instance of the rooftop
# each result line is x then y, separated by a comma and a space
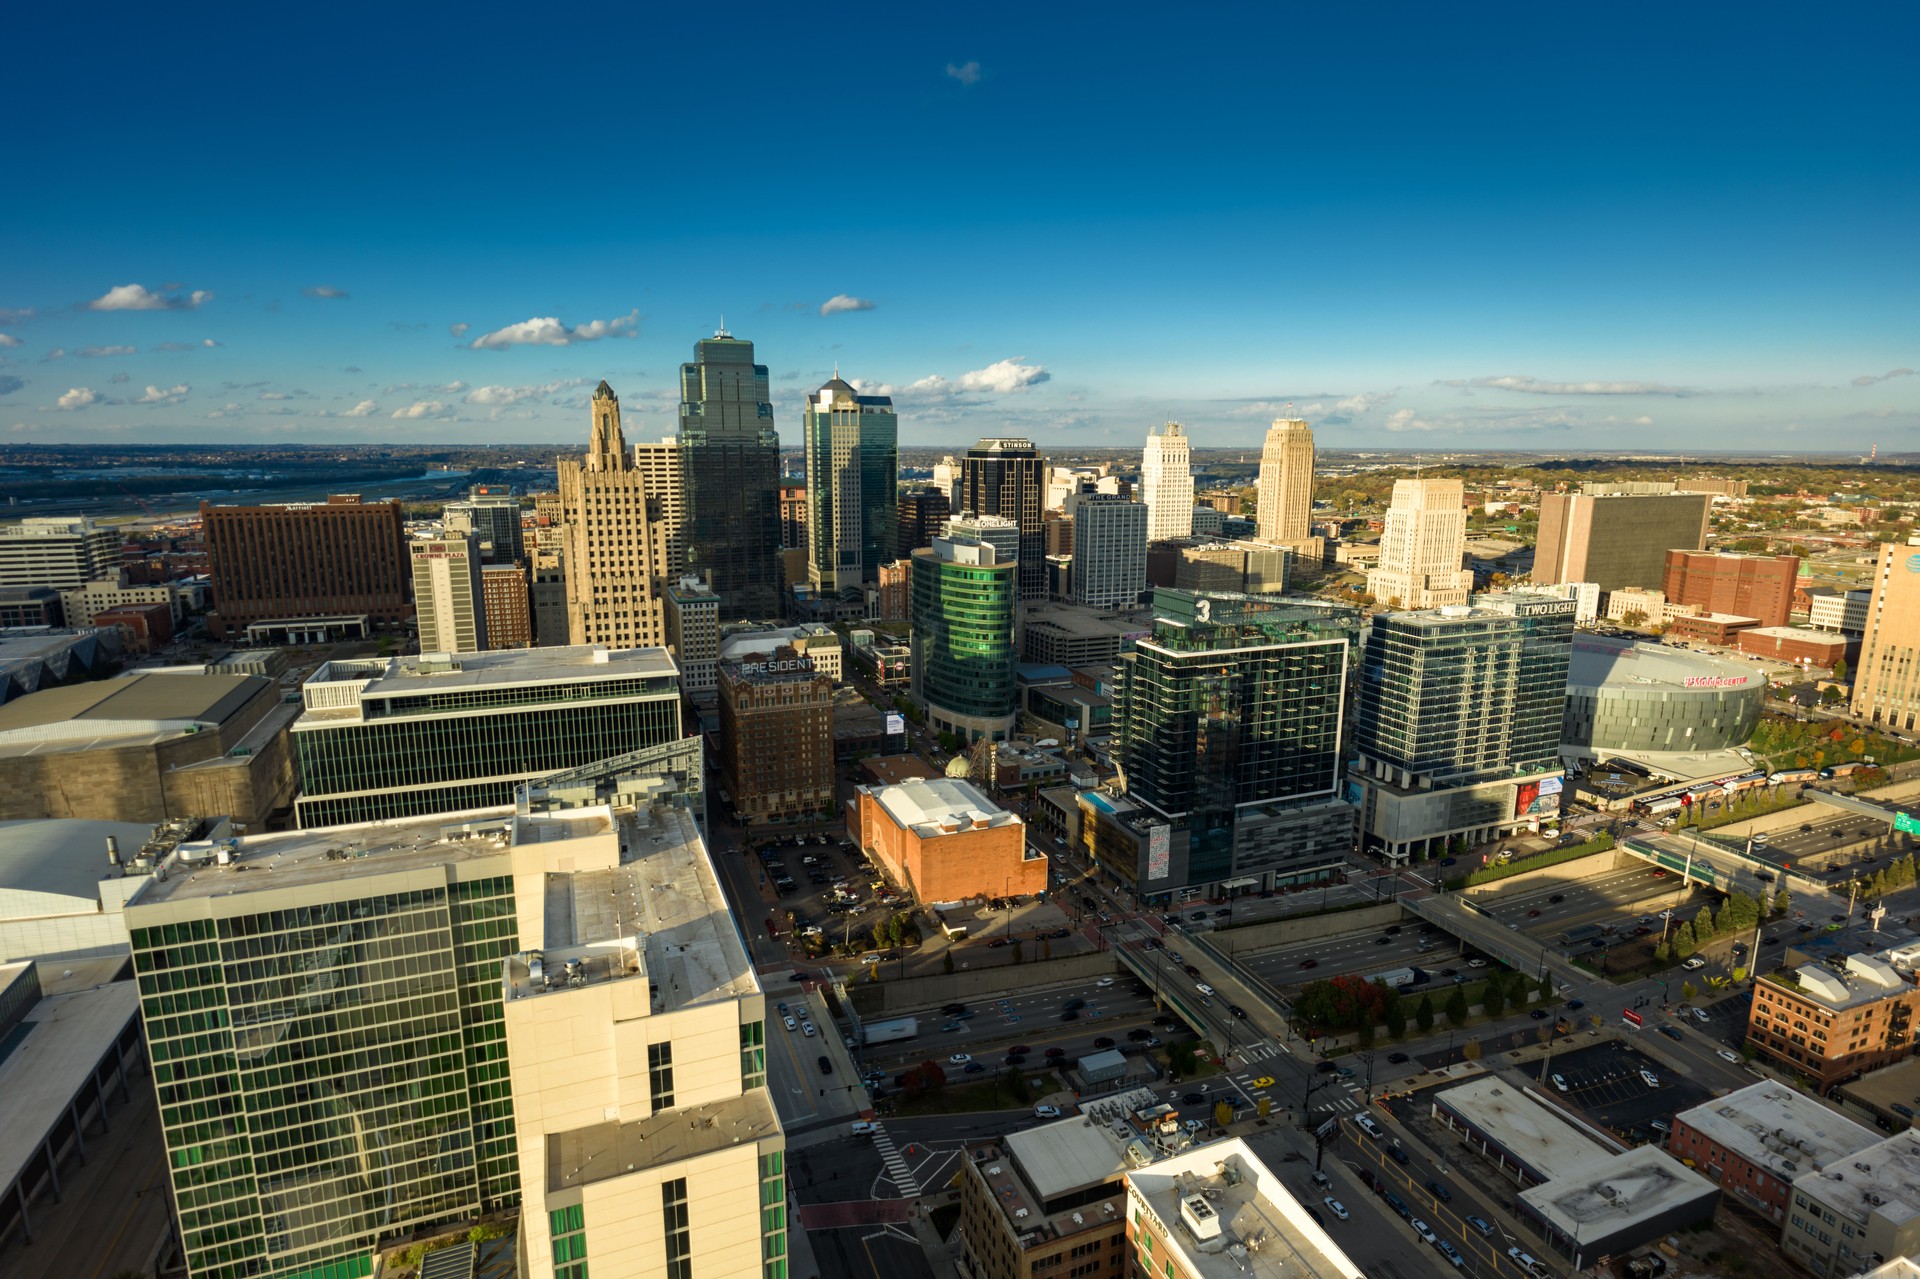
602, 1151
1229, 1217
139, 704
1530, 1131
340, 686
1883, 1178
940, 806
1798, 633
1836, 985
63, 857
70, 1034
1771, 1126
1065, 1155
1593, 1197
1601, 662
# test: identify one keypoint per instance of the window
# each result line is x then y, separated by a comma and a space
673, 1209
569, 1242
660, 1069
753, 1055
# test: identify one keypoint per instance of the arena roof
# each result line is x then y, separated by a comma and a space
1602, 663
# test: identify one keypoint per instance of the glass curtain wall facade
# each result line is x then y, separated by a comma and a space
1008, 478
331, 1074
963, 650
853, 457
449, 751
1232, 702
730, 474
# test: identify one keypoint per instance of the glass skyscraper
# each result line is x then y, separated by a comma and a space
964, 597
730, 474
853, 459
1227, 721
1008, 478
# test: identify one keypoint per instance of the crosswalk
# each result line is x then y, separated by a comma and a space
1346, 1105
896, 1164
1260, 1050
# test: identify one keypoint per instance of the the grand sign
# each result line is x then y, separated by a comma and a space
1715, 681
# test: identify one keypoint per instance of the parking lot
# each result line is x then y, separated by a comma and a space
1604, 1082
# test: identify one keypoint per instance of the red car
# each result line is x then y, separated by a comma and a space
1309, 963
1659, 873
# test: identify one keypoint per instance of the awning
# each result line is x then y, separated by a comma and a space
1245, 881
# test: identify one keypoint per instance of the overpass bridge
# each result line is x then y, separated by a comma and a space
1469, 921
1876, 809
1720, 866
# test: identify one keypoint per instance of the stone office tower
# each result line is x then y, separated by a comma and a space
1286, 488
1166, 483
616, 542
730, 475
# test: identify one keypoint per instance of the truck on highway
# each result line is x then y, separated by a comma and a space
1400, 978
885, 1032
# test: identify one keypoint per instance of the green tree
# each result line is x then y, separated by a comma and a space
1688, 990
1840, 669
1703, 926
1364, 1033
1683, 941
946, 961
1663, 954
1423, 1014
880, 934
1016, 1085
1492, 998
1457, 1006
1396, 1017
1782, 901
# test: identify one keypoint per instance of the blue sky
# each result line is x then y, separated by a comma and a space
1426, 227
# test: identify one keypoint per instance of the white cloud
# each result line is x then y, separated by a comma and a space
1865, 379
58, 353
965, 72
365, 408
323, 291
548, 331
208, 342
500, 395
1366, 402
7, 339
422, 409
164, 395
276, 395
137, 297
1005, 376
1406, 420
844, 302
98, 352
1534, 386
228, 409
78, 398
460, 329
453, 388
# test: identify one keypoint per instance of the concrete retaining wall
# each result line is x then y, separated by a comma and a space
1255, 937
912, 994
1562, 873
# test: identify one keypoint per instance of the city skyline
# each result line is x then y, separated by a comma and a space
1613, 242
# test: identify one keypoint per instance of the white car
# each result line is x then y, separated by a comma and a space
1422, 1229
869, 959
1560, 1082
792, 1024
1195, 1125
806, 1028
1203, 988
1695, 962
1650, 1079
1335, 1207
1727, 1054
1366, 1125
1046, 1112
1476, 963
861, 1128
1104, 982
1700, 1015
960, 1059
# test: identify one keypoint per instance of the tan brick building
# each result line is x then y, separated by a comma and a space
1833, 1021
617, 544
505, 601
943, 840
1886, 682
776, 736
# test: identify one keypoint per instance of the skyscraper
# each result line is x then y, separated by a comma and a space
853, 457
1616, 539
1422, 547
730, 464
965, 593
922, 513
316, 568
62, 552
1166, 483
449, 598
1008, 478
1227, 721
1286, 488
1459, 721
1886, 683
1109, 550
616, 546
491, 513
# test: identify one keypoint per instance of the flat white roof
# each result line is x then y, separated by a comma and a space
1771, 1126
1884, 1178
70, 1034
1527, 1129
1601, 662
1064, 1155
1594, 1197
1263, 1232
928, 805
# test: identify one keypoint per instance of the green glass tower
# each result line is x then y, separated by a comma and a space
965, 592
1228, 722
853, 457
730, 477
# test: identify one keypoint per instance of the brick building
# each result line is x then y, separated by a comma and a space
1708, 628
1045, 1202
148, 626
343, 558
1755, 1140
505, 600
943, 840
776, 736
1833, 1021
1795, 644
1756, 586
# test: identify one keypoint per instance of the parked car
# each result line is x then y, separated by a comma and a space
1046, 1112
1727, 1054
1560, 1082
1650, 1079
1482, 1225
1337, 1208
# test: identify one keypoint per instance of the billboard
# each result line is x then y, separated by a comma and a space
1159, 851
1525, 796
1551, 785
896, 724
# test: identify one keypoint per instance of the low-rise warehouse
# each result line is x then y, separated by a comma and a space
1755, 1140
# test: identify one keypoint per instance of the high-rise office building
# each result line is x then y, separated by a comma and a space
1616, 539
1886, 681
1166, 483
853, 459
1240, 568
793, 517
1756, 586
1109, 550
1422, 547
509, 605
776, 736
1007, 477
693, 633
1285, 513
1459, 720
448, 598
730, 467
320, 569
965, 593
617, 553
547, 599
492, 514
378, 1032
60, 552
403, 736
922, 513
1227, 726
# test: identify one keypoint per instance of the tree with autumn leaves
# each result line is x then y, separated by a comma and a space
1346, 1002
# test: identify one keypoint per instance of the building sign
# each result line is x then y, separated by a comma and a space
797, 666
1906, 822
1631, 1017
1159, 851
896, 724
1551, 786
1525, 796
1714, 681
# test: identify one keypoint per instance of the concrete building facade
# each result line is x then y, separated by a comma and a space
617, 558
1616, 539
1285, 511
1007, 478
448, 598
1886, 681
57, 551
1166, 483
1861, 1215
1109, 550
1422, 547
341, 559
